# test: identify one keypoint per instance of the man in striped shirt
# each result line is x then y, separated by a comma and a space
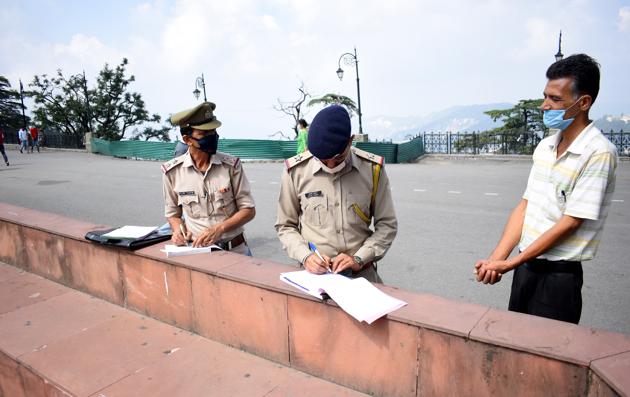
558, 223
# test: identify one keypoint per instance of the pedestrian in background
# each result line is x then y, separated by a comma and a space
34, 138
4, 155
23, 138
302, 138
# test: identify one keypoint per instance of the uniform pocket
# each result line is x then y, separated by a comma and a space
195, 206
224, 203
315, 210
358, 208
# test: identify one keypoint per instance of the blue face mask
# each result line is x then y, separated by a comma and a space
555, 118
208, 143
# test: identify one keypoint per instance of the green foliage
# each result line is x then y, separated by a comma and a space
60, 103
10, 106
525, 116
109, 109
330, 99
161, 134
520, 133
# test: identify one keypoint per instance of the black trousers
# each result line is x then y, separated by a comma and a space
551, 289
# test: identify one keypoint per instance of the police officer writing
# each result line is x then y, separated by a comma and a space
330, 196
208, 187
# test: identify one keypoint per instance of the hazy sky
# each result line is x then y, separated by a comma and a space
415, 57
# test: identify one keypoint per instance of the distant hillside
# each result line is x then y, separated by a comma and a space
615, 123
456, 119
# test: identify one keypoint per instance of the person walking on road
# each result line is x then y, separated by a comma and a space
23, 138
4, 155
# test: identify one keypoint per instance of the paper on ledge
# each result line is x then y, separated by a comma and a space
180, 250
130, 232
357, 297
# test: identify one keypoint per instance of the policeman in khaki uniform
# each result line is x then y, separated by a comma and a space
329, 196
208, 187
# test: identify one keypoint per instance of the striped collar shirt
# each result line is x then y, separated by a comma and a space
580, 184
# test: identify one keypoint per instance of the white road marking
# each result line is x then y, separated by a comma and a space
166, 283
273, 183
454, 192
419, 190
617, 201
491, 194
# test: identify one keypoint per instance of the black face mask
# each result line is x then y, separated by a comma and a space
208, 143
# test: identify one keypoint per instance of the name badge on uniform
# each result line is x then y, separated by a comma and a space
189, 193
224, 189
314, 194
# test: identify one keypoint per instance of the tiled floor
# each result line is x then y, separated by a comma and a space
90, 347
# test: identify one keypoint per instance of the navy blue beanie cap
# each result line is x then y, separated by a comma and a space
329, 132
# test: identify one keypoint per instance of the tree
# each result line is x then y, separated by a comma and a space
330, 99
114, 108
61, 103
293, 109
525, 116
10, 106
520, 133
109, 109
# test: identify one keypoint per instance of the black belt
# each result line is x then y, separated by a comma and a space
231, 244
539, 265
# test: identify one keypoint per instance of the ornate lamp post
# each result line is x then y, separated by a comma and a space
351, 59
559, 55
200, 83
22, 101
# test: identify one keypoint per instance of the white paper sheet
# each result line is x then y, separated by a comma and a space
135, 232
180, 250
357, 297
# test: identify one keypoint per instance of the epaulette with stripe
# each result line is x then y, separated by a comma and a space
375, 158
297, 159
228, 159
169, 165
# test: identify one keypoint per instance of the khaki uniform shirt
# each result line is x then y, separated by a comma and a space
315, 206
205, 198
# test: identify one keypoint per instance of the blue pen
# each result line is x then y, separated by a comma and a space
313, 248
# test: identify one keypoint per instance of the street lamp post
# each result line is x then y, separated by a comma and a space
351, 59
559, 55
22, 101
200, 83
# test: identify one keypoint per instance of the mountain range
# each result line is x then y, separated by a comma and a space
467, 118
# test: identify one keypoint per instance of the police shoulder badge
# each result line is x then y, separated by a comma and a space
297, 159
226, 158
369, 156
169, 165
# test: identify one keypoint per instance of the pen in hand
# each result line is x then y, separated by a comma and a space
316, 252
181, 229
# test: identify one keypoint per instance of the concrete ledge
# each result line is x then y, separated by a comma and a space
433, 346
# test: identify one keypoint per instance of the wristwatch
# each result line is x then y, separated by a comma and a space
358, 260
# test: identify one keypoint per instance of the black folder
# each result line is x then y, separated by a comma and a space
160, 234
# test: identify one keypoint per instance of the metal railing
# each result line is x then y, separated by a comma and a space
48, 139
512, 142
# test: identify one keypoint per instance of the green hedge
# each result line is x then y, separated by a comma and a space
258, 149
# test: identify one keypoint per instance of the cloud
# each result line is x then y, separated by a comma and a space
540, 40
624, 19
87, 50
270, 22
